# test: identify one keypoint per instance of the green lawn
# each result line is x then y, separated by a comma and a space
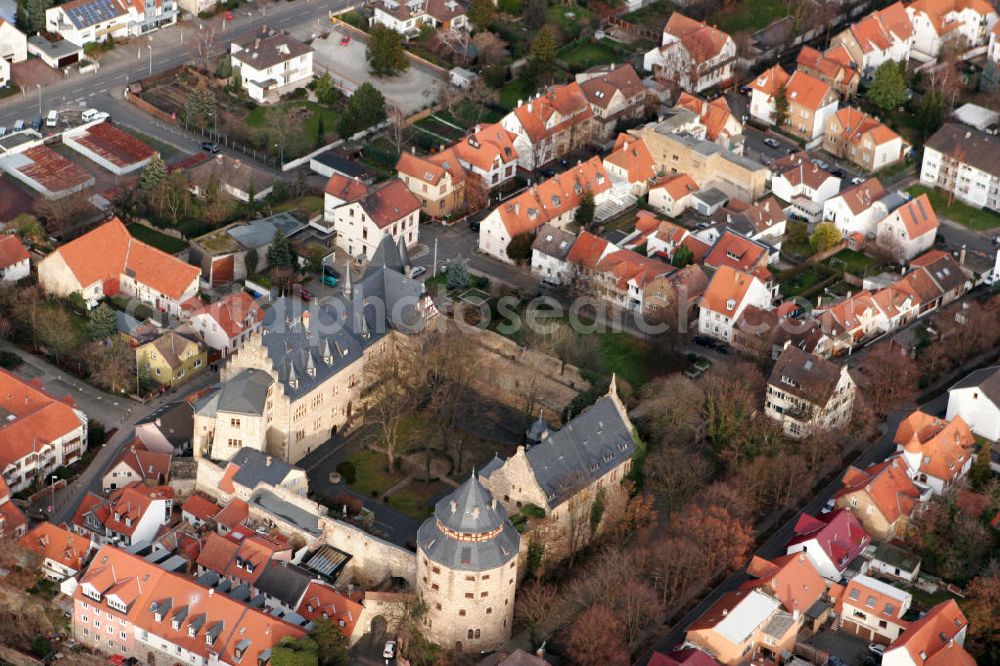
652, 17
79, 323
303, 138
569, 26
849, 261
588, 54
308, 204
625, 355
967, 216
749, 15
512, 92
415, 499
372, 474
800, 282
168, 244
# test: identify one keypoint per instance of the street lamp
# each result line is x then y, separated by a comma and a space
150, 59
282, 148
52, 485
39, 86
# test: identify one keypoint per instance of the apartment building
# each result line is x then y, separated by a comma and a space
834, 67
271, 63
729, 293
963, 161
549, 125
362, 216
882, 36
960, 24
83, 21
806, 393
873, 610
407, 18
616, 97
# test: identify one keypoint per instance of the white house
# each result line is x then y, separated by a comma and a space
963, 161
407, 17
882, 36
129, 516
763, 90
229, 322
993, 52
271, 63
937, 452
976, 399
362, 220
672, 194
64, 553
692, 54
964, 23
798, 181
550, 253
909, 230
873, 610
936, 638
729, 293
83, 21
830, 541
851, 210
13, 48
15, 262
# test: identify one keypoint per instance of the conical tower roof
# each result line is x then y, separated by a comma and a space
539, 430
471, 509
404, 254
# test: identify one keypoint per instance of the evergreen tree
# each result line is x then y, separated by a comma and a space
153, 175
519, 248
101, 324
930, 115
385, 52
250, 260
543, 53
279, 255
320, 131
683, 256
330, 642
989, 80
326, 91
224, 69
535, 14
888, 88
458, 273
199, 107
481, 14
36, 14
366, 107
584, 214
781, 106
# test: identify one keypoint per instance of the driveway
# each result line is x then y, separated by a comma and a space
460, 240
411, 91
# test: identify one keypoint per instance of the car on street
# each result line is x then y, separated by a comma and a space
330, 280
474, 225
229, 16
210, 147
389, 651
704, 341
36, 124
305, 295
857, 180
722, 348
771, 142
417, 271
345, 40
548, 172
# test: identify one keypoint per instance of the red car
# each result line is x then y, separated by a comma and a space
345, 40
229, 16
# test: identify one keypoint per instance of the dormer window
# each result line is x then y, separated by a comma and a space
192, 630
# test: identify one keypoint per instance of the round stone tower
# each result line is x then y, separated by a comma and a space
467, 570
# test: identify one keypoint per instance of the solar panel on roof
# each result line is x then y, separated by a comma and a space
92, 13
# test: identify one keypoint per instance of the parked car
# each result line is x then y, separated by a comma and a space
210, 147
36, 124
417, 271
18, 126
474, 225
548, 172
330, 281
93, 114
389, 651
857, 180
723, 349
745, 90
703, 341
345, 40
305, 295
771, 142
3, 131
52, 119
229, 16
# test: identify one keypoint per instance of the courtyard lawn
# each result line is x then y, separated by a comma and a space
625, 356
416, 498
569, 19
585, 55
372, 479
302, 138
512, 92
749, 15
163, 242
800, 282
850, 261
308, 204
973, 218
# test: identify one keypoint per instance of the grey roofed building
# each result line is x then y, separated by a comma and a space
469, 530
341, 327
553, 242
258, 233
987, 380
267, 47
287, 511
968, 146
246, 393
711, 196
174, 421
897, 557
284, 582
804, 375
256, 467
585, 449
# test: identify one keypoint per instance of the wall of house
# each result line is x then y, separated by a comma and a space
870, 517
978, 411
234, 431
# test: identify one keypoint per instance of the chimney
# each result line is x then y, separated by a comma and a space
211, 591
305, 320
961, 255
413, 150
268, 461
529, 107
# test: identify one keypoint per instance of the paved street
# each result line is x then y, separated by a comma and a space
461, 240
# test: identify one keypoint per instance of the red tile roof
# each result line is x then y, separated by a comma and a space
39, 418
12, 251
389, 202
886, 484
587, 250
740, 253
115, 145
729, 286
600, 90
53, 171
200, 507
860, 197
555, 110
918, 217
321, 600
808, 91
12, 519
58, 544
109, 251
714, 115
633, 156
233, 513
149, 465
878, 602
701, 40
346, 189
678, 186
838, 533
930, 641
487, 147
234, 313
944, 447
792, 579
770, 81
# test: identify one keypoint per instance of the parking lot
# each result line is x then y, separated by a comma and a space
410, 91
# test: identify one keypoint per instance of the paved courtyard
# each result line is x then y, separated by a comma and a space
411, 91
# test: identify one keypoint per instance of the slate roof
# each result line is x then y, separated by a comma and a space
968, 146
986, 379
274, 505
553, 242
469, 510
255, 467
806, 376
306, 355
583, 450
246, 393
285, 582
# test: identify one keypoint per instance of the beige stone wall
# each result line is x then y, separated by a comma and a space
234, 431
462, 601
372, 559
55, 277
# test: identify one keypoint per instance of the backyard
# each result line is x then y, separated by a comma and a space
586, 54
160, 241
749, 15
849, 261
973, 218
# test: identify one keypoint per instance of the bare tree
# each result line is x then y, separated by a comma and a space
111, 364
66, 213
203, 47
596, 639
397, 128
534, 604
390, 397
491, 49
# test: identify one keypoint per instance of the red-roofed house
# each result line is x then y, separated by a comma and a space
199, 510
621, 277
963, 24
744, 626
63, 552
882, 36
226, 324
763, 91
551, 124
675, 294
241, 560
363, 220
811, 103
616, 95
830, 541
322, 601
109, 146
854, 209
852, 134
683, 657
129, 516
38, 432
741, 253
163, 617
936, 639
15, 262
873, 610
835, 67
806, 187
937, 452
791, 579
721, 126
692, 55
136, 464
672, 194
13, 522
728, 294
909, 230
108, 261
438, 180
630, 165
882, 496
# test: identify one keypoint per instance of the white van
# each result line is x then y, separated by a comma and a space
93, 114
52, 119
18, 126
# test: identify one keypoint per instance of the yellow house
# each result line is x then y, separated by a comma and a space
171, 359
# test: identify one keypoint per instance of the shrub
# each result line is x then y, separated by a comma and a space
10, 360
519, 248
348, 472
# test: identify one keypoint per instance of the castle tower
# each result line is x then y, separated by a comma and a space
467, 570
